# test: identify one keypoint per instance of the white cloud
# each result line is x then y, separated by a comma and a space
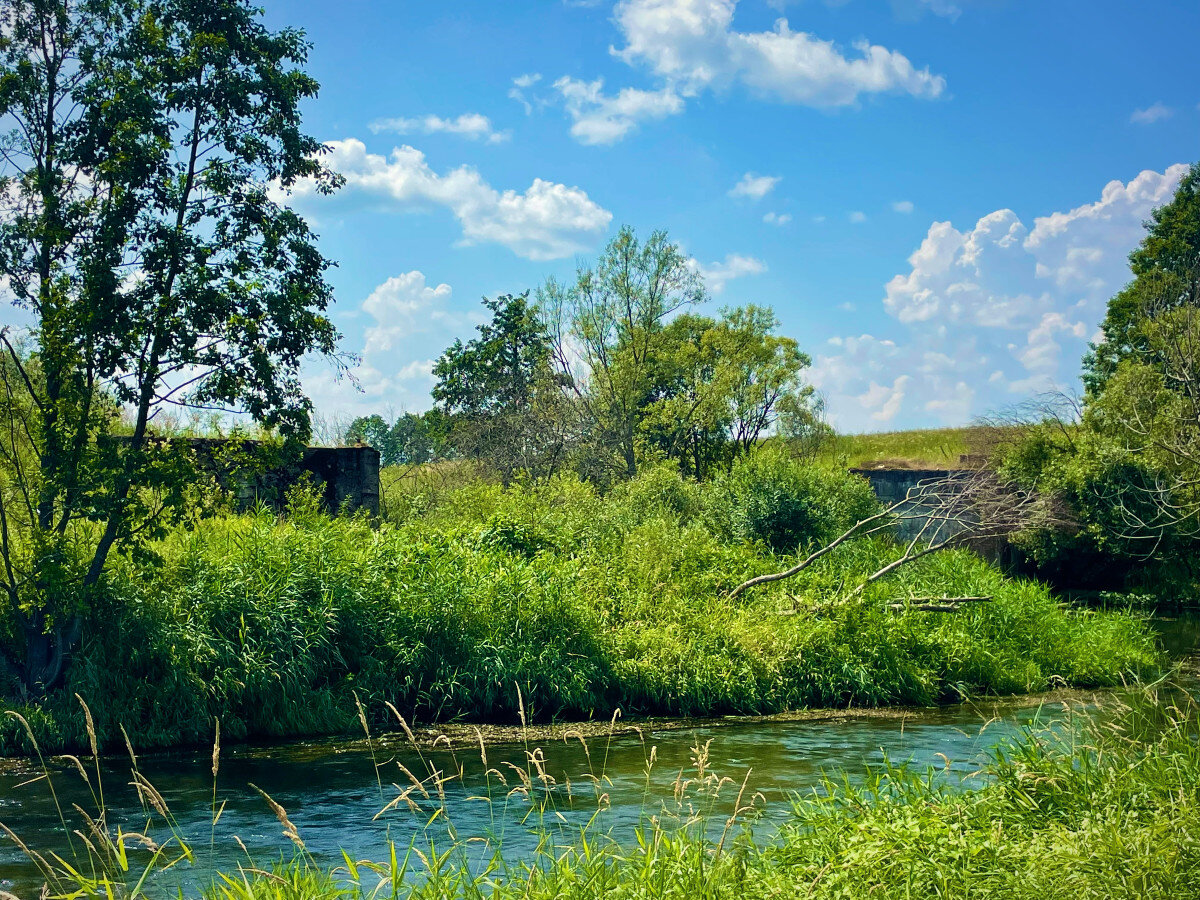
903, 206
996, 311
521, 84
600, 118
718, 274
858, 217
692, 45
774, 218
755, 186
1155, 112
884, 402
545, 221
954, 406
408, 320
401, 305
472, 126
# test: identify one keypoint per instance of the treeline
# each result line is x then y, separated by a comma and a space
608, 373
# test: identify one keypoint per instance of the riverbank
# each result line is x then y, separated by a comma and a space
553, 604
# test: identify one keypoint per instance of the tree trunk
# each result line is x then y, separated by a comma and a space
46, 652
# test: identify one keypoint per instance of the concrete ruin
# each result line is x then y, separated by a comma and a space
346, 478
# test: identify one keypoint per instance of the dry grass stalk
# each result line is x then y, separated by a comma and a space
403, 724
289, 830
90, 724
146, 790
74, 760
216, 751
417, 783
482, 748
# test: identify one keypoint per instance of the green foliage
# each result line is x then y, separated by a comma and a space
785, 505
501, 399
1129, 471
141, 232
586, 603
935, 448
720, 386
411, 440
498, 370
614, 316
1166, 270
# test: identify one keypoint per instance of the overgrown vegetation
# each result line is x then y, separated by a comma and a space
933, 448
585, 602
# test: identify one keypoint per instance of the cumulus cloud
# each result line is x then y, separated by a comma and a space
1155, 112
774, 218
993, 312
545, 221
858, 217
472, 126
693, 45
405, 316
599, 118
902, 206
754, 186
883, 402
401, 305
717, 275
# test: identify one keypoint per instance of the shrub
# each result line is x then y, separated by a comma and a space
784, 504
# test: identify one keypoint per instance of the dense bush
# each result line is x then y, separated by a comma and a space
586, 603
768, 497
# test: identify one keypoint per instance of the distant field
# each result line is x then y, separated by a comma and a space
933, 448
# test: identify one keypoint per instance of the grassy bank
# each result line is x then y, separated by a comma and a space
585, 603
1085, 808
922, 448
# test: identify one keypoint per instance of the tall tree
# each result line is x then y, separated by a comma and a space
1166, 276
143, 234
608, 330
502, 395
721, 385
1129, 468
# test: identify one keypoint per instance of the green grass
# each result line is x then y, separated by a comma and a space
586, 603
932, 448
1086, 809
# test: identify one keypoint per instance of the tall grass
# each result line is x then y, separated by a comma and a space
274, 625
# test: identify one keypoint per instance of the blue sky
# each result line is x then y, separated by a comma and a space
936, 196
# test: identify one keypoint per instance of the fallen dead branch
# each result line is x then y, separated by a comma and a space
958, 509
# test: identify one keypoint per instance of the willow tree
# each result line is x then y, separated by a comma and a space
148, 145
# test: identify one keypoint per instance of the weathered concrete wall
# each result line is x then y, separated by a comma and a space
350, 476
893, 485
347, 477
